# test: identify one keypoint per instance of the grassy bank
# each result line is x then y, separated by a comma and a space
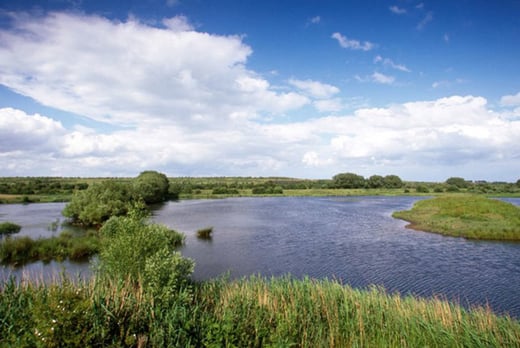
468, 216
253, 312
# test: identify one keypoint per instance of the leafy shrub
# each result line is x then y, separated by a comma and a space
136, 250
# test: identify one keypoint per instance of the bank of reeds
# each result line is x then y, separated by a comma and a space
25, 249
253, 312
205, 233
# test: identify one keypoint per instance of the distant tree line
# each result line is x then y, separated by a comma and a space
355, 181
40, 185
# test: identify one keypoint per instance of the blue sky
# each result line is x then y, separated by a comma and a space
422, 89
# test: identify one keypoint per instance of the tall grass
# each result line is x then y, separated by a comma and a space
253, 312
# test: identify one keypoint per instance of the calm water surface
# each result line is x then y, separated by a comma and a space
353, 239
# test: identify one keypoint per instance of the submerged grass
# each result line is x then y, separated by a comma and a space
252, 312
469, 216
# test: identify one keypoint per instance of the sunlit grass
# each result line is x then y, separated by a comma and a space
252, 312
468, 216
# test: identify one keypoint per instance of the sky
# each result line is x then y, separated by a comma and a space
426, 90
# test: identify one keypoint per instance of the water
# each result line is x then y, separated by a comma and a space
352, 239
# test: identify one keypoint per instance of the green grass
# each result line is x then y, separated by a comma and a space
254, 312
468, 216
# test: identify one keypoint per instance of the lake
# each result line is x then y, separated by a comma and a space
352, 239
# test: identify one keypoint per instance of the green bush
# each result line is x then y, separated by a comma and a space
136, 250
9, 228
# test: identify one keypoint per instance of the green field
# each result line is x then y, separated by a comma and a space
468, 216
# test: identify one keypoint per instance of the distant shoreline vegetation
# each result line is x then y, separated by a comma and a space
46, 189
468, 216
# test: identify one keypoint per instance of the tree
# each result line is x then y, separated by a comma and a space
95, 205
348, 180
392, 181
152, 186
375, 181
456, 181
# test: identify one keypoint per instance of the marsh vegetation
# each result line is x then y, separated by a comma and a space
467, 216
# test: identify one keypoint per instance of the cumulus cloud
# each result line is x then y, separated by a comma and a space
186, 104
130, 72
510, 100
453, 131
352, 43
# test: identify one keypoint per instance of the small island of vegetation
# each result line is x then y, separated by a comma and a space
8, 227
468, 216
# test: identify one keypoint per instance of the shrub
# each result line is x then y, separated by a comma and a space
9, 228
422, 189
135, 250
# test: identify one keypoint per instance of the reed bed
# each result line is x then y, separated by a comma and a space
253, 312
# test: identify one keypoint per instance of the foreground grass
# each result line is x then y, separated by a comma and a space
253, 312
468, 216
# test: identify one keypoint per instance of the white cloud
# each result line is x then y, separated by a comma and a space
390, 63
510, 100
382, 78
447, 132
190, 106
178, 23
22, 132
352, 44
129, 72
329, 105
315, 89
397, 10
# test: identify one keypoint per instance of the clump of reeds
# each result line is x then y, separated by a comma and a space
205, 233
9, 227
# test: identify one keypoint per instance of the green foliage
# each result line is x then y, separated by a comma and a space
348, 180
422, 189
25, 249
152, 186
9, 228
375, 181
473, 217
137, 250
392, 181
62, 317
458, 182
100, 201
